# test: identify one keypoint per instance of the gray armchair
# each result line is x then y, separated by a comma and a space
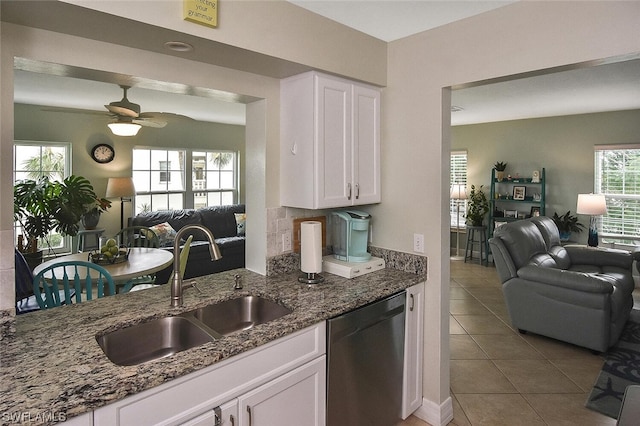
577, 294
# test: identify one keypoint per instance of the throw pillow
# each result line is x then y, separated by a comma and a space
165, 232
241, 219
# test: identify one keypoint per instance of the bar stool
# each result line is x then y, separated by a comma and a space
89, 239
477, 235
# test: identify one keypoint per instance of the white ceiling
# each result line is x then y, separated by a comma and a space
609, 87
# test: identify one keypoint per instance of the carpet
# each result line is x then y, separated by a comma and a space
621, 369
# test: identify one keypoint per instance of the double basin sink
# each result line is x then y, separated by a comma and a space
166, 336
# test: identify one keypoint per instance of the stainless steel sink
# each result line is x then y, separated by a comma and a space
152, 340
165, 336
239, 314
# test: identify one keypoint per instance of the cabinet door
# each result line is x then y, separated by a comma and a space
297, 398
413, 350
333, 157
366, 145
226, 416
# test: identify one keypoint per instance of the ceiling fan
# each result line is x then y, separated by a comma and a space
126, 114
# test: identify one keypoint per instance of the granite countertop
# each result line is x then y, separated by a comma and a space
54, 364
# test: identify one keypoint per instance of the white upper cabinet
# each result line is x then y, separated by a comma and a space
330, 142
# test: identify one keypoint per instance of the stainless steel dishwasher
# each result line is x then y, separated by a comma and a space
365, 363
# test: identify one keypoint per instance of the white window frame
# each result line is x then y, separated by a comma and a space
621, 223
187, 192
66, 243
458, 175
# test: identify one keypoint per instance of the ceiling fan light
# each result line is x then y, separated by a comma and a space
124, 129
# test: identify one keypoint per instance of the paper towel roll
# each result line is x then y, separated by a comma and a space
311, 247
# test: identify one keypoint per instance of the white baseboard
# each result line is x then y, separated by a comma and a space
434, 414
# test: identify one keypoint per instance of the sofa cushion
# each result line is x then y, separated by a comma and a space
221, 219
176, 218
241, 220
165, 232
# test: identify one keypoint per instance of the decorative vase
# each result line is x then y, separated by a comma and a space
564, 235
90, 219
500, 175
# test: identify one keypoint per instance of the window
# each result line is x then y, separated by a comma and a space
214, 178
458, 175
172, 179
617, 176
31, 160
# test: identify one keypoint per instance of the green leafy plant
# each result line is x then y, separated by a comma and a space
477, 206
500, 166
567, 223
43, 205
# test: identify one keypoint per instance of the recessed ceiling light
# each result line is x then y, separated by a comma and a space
456, 108
178, 46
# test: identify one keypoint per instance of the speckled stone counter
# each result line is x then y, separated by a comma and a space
54, 365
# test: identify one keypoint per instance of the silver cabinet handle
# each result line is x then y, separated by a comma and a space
349, 191
411, 304
217, 416
357, 191
249, 411
233, 420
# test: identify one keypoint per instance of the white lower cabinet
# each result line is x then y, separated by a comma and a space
224, 415
283, 377
296, 399
413, 350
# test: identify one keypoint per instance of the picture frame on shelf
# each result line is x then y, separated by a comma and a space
511, 213
535, 211
519, 192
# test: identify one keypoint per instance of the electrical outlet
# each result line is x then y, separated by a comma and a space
286, 242
418, 243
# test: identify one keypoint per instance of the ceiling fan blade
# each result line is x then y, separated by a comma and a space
147, 122
121, 110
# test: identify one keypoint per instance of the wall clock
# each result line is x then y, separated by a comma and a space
102, 153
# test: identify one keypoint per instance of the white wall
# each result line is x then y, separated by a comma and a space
562, 145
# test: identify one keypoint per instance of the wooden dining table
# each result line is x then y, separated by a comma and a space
141, 261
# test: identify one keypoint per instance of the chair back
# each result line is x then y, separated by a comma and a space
138, 236
55, 285
184, 256
24, 277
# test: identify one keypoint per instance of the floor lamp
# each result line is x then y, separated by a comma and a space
123, 188
593, 205
458, 192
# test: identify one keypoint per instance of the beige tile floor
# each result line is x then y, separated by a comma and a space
500, 377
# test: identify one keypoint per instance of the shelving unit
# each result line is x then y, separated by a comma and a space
504, 208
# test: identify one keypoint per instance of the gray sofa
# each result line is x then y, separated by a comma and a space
220, 220
577, 294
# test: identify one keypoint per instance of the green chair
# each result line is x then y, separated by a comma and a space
138, 236
184, 256
60, 283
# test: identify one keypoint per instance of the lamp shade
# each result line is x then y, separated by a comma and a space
591, 204
124, 129
458, 191
120, 187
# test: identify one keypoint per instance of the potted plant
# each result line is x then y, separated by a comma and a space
43, 205
91, 218
477, 206
500, 167
567, 224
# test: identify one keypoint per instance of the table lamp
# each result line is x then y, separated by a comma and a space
458, 192
593, 205
123, 188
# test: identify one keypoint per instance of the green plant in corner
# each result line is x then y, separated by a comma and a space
477, 206
43, 205
567, 224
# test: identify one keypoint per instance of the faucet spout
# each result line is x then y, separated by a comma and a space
177, 287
